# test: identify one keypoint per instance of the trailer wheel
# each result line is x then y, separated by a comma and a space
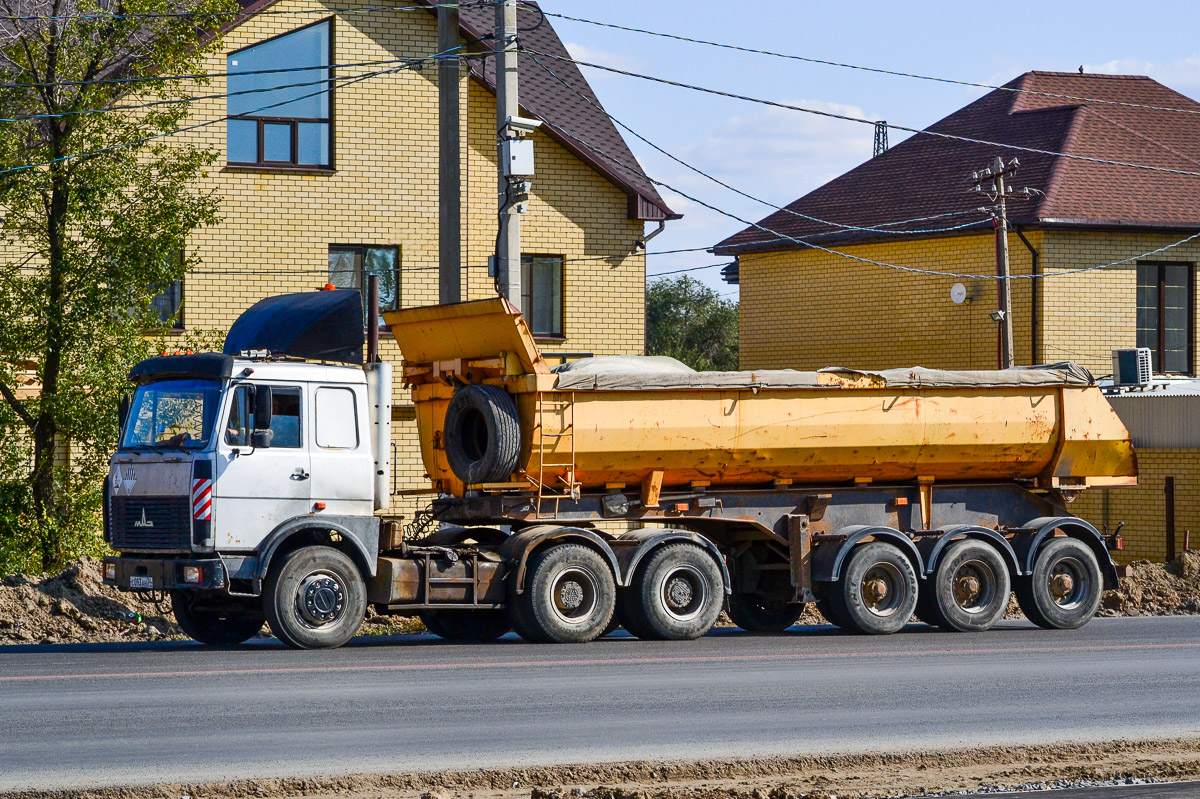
315, 599
970, 587
675, 594
877, 592
482, 435
1063, 592
569, 596
466, 625
214, 619
757, 615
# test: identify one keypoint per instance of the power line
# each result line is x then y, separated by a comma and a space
719, 182
848, 118
860, 259
690, 269
109, 16
895, 73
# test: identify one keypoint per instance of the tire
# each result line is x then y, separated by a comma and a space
877, 591
1063, 592
927, 609
214, 619
833, 614
757, 615
315, 598
482, 435
569, 598
970, 587
466, 625
676, 594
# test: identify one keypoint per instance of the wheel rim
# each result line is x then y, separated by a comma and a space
684, 592
1068, 584
882, 589
974, 586
574, 594
320, 599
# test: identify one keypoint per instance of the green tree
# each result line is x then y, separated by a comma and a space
97, 203
689, 321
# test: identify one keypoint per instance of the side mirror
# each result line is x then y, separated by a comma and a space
261, 439
123, 411
262, 407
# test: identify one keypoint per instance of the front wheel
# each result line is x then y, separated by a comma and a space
214, 619
315, 598
1063, 592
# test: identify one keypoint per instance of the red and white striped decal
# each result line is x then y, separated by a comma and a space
202, 498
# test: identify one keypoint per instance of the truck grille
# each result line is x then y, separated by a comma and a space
139, 523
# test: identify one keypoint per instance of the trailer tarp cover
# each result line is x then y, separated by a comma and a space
315, 325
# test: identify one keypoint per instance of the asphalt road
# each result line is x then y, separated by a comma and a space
76, 716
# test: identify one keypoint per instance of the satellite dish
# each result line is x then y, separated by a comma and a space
958, 293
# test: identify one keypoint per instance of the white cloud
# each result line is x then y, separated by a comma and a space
581, 52
1177, 74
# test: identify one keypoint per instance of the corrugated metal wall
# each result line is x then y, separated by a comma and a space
1160, 421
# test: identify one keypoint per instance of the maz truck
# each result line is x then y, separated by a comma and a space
255, 485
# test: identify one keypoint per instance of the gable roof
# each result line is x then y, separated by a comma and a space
546, 98
928, 175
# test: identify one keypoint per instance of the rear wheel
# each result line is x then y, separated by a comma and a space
315, 598
970, 587
834, 615
877, 592
755, 614
675, 594
466, 625
1063, 592
569, 596
215, 619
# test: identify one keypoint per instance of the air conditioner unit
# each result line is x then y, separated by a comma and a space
1131, 367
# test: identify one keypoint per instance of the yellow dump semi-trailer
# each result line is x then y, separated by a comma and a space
873, 494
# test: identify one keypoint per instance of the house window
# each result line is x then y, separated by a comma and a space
274, 121
166, 305
1164, 315
542, 293
351, 264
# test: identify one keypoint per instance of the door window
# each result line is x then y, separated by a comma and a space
337, 419
285, 418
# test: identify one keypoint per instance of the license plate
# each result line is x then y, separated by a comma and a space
138, 581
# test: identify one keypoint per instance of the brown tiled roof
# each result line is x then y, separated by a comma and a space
926, 175
546, 98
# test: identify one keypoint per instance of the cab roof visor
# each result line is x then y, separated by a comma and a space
316, 326
203, 365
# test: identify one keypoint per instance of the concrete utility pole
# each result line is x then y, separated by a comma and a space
449, 165
990, 183
508, 243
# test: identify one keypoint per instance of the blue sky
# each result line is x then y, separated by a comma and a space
779, 155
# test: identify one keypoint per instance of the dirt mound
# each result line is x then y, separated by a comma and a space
1158, 589
76, 606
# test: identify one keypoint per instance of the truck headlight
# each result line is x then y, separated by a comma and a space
192, 574
110, 571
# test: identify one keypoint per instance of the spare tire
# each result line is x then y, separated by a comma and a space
482, 434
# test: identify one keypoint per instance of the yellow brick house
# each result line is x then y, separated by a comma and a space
805, 304
325, 185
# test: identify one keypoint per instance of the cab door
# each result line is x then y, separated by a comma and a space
258, 488
340, 446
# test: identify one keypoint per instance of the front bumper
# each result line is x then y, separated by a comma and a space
159, 574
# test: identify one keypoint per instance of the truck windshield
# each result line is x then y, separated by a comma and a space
172, 414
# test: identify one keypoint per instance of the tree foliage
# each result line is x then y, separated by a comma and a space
97, 204
689, 321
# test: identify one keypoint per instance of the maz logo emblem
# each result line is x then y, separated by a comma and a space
143, 522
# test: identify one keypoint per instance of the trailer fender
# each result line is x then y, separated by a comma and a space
827, 559
651, 539
361, 534
931, 548
519, 546
1026, 545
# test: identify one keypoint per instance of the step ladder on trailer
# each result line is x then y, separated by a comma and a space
553, 445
